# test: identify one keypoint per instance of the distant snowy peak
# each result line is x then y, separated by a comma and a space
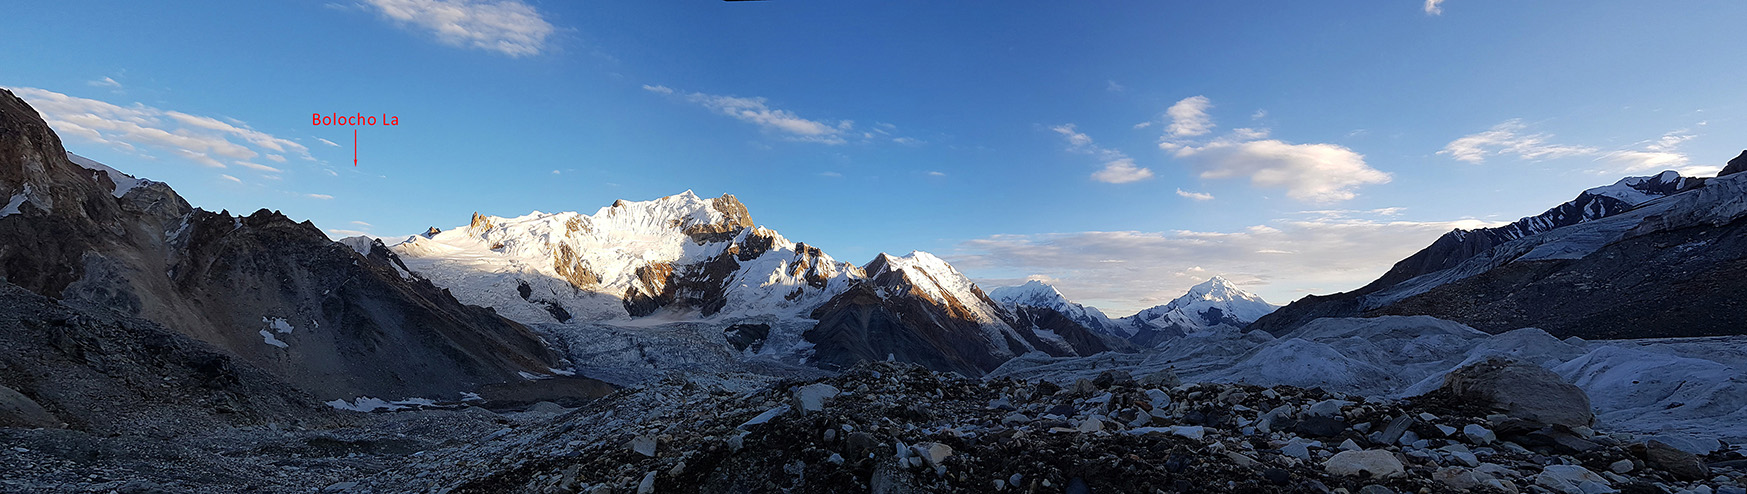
628, 259
1039, 294
1211, 304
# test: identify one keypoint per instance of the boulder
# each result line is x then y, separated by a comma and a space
1683, 465
17, 410
811, 398
1522, 391
1570, 479
1377, 463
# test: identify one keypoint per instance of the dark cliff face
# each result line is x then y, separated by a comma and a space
1679, 283
863, 325
1457, 246
276, 293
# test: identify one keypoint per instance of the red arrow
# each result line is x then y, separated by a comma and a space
354, 148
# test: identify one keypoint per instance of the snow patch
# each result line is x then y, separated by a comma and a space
123, 181
268, 338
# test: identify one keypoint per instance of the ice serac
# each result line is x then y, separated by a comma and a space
1213, 304
1452, 250
920, 309
276, 293
676, 254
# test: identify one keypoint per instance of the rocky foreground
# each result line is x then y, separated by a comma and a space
892, 428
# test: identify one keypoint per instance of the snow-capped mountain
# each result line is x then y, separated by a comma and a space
918, 308
633, 258
1039, 294
1212, 304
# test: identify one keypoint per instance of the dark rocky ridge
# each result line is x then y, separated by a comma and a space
1455, 247
360, 326
1678, 283
1737, 165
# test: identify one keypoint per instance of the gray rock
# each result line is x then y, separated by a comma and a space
1622, 466
1375, 463
1683, 465
1375, 489
1478, 435
1568, 479
340, 487
17, 410
1327, 408
811, 398
647, 486
1521, 390
1166, 378
644, 445
1396, 428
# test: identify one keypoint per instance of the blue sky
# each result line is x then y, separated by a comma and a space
1123, 152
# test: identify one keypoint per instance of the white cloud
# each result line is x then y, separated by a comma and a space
1143, 125
362, 224
258, 166
1189, 117
1434, 7
936, 174
1113, 87
1308, 172
198, 139
509, 27
658, 89
328, 142
1124, 272
1507, 138
1118, 167
1512, 139
230, 178
319, 196
1199, 196
105, 82
788, 124
348, 233
1315, 172
908, 141
1121, 171
275, 158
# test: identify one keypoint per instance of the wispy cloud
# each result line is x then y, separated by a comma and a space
141, 129
328, 142
231, 178
1313, 172
936, 174
1189, 117
257, 166
510, 27
1434, 7
1118, 167
1114, 87
362, 224
1127, 271
1512, 139
1509, 138
1199, 196
319, 196
783, 123
105, 82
